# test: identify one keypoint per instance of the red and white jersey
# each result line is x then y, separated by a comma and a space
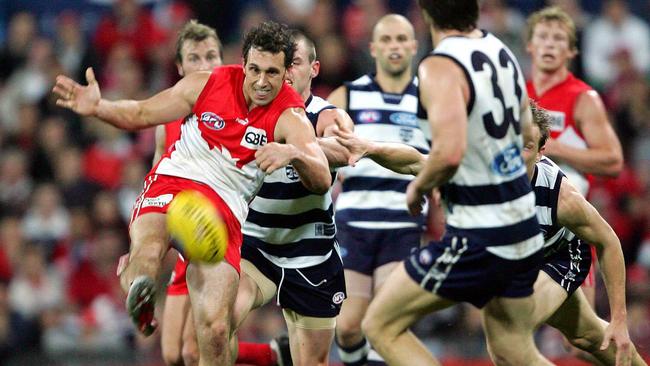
560, 101
218, 142
173, 132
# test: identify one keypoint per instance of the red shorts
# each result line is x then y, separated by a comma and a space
178, 286
590, 281
158, 192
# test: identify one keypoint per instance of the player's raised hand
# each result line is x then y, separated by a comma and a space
76, 97
273, 156
617, 332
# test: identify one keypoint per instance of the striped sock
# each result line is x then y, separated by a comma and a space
356, 355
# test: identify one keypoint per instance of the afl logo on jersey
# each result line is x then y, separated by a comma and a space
338, 297
508, 162
369, 116
212, 121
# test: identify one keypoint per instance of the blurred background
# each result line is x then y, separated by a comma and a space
67, 185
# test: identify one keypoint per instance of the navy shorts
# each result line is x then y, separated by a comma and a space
462, 271
364, 250
569, 265
316, 291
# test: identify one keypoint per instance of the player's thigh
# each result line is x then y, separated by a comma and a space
548, 296
254, 290
359, 291
310, 337
381, 274
399, 303
173, 323
508, 325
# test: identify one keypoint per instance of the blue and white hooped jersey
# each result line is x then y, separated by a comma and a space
547, 179
489, 199
291, 226
373, 197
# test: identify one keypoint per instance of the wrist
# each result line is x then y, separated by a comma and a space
295, 155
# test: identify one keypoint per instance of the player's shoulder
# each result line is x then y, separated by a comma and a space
577, 85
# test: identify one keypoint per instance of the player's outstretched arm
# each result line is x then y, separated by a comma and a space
579, 216
296, 145
168, 105
603, 155
400, 158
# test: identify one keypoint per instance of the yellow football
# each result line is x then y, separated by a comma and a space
196, 226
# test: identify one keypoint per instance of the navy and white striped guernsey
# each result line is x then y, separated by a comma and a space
489, 200
547, 179
374, 197
291, 226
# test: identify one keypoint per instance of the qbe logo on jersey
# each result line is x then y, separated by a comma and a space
254, 138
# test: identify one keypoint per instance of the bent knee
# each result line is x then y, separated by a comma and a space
348, 328
371, 328
191, 355
215, 333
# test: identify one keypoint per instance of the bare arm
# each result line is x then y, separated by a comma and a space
339, 97
579, 216
603, 155
168, 105
160, 144
329, 122
400, 158
443, 93
300, 149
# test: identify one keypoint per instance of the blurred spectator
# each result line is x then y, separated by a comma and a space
614, 30
509, 25
103, 161
72, 50
29, 83
47, 220
15, 184
106, 213
132, 177
76, 189
11, 246
51, 139
35, 287
129, 24
95, 275
21, 33
17, 334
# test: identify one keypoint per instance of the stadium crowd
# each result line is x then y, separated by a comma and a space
67, 185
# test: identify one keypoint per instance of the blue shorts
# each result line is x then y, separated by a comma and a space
364, 250
467, 272
316, 291
569, 265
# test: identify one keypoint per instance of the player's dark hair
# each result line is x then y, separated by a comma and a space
460, 15
270, 37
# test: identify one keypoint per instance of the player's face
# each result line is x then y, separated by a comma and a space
393, 47
301, 72
264, 76
199, 56
549, 46
531, 149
